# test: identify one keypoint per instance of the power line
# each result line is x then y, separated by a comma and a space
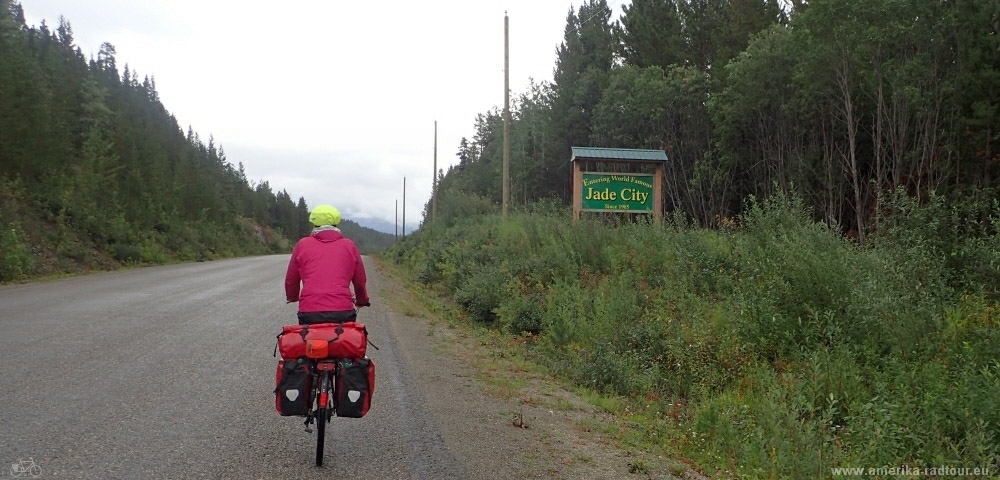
598, 12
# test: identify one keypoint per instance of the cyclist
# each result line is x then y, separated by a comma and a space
326, 263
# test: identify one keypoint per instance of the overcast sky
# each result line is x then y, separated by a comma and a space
331, 100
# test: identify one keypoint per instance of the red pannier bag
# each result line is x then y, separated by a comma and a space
355, 386
342, 340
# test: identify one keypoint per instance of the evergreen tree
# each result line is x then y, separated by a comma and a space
583, 63
650, 33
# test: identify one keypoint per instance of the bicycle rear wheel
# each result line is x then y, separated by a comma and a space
326, 375
321, 415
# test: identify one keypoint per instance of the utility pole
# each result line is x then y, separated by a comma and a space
404, 207
397, 219
434, 190
506, 115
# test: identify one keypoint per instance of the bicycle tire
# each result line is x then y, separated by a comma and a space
320, 434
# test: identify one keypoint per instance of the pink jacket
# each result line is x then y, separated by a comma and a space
326, 263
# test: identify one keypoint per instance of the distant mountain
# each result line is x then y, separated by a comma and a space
377, 224
368, 240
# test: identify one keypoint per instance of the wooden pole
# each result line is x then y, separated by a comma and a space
434, 198
397, 219
658, 193
404, 207
506, 115
577, 193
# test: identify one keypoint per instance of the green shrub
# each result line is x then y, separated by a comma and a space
955, 236
127, 253
608, 369
460, 207
151, 252
482, 293
522, 313
567, 303
15, 254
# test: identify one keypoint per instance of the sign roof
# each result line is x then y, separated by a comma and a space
618, 154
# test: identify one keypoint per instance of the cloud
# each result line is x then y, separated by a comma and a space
332, 101
358, 182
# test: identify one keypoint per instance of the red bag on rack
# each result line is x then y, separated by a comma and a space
343, 340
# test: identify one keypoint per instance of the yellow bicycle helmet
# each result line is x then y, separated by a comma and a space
324, 215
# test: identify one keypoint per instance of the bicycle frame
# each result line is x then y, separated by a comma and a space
325, 375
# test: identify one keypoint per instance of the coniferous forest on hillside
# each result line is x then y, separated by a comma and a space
824, 292
95, 172
845, 102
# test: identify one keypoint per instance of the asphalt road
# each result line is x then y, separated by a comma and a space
167, 372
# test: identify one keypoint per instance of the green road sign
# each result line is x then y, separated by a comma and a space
613, 192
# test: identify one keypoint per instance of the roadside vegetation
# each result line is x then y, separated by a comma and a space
824, 292
770, 348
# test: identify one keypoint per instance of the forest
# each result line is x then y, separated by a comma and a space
823, 294
846, 102
96, 173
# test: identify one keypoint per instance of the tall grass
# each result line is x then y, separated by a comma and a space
775, 348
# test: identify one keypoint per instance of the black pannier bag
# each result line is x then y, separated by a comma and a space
355, 386
292, 387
